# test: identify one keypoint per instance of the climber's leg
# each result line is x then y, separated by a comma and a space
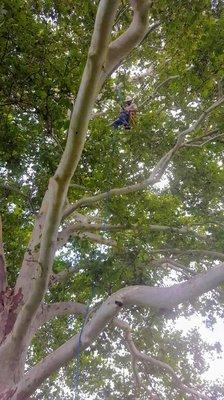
122, 120
118, 122
127, 121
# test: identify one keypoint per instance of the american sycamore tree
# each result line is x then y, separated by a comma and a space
107, 235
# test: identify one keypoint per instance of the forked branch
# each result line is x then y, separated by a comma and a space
138, 355
50, 311
59, 184
132, 37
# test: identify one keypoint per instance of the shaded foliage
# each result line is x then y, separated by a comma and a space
43, 52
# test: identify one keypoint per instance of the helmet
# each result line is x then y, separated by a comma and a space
128, 98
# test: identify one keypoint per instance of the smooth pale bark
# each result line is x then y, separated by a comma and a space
155, 297
85, 229
114, 228
35, 274
93, 237
93, 77
45, 313
49, 311
83, 233
132, 37
158, 170
36, 269
29, 269
87, 94
99, 66
58, 185
3, 275
89, 89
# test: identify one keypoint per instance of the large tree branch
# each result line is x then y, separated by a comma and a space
61, 276
150, 30
194, 252
82, 233
93, 78
138, 355
29, 269
202, 140
153, 178
119, 227
75, 229
58, 185
50, 311
3, 276
168, 262
156, 297
138, 381
96, 238
133, 36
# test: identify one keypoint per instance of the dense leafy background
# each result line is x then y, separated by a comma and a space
43, 51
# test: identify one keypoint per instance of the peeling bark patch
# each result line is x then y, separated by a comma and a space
1, 301
10, 323
2, 272
17, 298
21, 396
41, 268
8, 394
9, 303
118, 303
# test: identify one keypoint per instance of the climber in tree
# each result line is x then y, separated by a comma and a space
127, 114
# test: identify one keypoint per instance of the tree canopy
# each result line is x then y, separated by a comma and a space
164, 227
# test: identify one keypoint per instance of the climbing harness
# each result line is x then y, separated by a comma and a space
127, 116
132, 116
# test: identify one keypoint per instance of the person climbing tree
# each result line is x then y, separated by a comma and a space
127, 114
